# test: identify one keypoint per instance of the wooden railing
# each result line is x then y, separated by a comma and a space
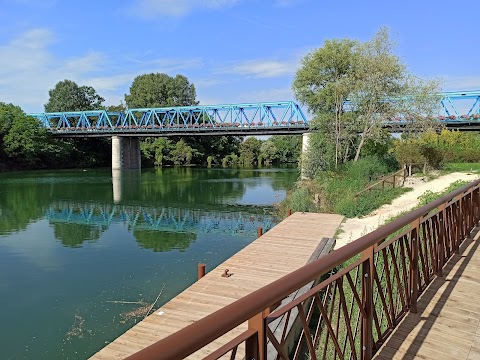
390, 179
364, 289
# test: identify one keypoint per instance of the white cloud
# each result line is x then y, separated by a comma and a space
28, 69
459, 83
262, 68
152, 8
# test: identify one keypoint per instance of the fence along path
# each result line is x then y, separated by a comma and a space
447, 324
283, 249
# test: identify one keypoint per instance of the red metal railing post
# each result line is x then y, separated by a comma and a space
414, 268
367, 302
256, 346
475, 196
441, 241
460, 217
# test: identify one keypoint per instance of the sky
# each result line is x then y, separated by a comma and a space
232, 50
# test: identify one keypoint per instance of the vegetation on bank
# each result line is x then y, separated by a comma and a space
25, 144
334, 191
344, 84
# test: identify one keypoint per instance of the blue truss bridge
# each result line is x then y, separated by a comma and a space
167, 219
235, 119
459, 109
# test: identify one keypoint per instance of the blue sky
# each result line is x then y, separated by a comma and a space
232, 50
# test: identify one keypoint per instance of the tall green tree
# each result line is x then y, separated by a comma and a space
268, 152
68, 96
8, 114
249, 151
160, 90
182, 154
379, 75
346, 83
323, 84
288, 147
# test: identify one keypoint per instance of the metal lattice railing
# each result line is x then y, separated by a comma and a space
358, 293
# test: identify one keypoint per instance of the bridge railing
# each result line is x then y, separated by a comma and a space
362, 291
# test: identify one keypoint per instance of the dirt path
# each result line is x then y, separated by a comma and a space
353, 228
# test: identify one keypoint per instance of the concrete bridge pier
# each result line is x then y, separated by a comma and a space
305, 144
126, 153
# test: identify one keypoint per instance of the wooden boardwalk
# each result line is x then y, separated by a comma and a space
447, 325
283, 249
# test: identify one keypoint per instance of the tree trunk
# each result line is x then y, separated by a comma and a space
357, 154
345, 158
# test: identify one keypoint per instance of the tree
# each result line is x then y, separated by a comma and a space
380, 75
268, 152
323, 83
182, 154
68, 96
353, 87
156, 149
8, 114
288, 147
160, 90
249, 151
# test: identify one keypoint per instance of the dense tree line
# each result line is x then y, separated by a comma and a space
24, 143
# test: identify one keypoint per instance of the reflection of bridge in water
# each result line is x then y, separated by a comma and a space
166, 219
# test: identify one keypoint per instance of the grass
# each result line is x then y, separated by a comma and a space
462, 167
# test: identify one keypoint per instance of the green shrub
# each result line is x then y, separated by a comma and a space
301, 200
340, 187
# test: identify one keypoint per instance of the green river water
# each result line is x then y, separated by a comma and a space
75, 243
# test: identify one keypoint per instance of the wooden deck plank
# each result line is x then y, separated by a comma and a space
283, 249
447, 325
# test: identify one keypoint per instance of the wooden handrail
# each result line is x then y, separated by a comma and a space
400, 173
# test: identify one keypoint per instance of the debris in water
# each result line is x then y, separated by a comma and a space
77, 328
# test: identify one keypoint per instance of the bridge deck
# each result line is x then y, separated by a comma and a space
285, 248
447, 324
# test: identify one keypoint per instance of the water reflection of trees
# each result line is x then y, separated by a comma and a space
25, 197
162, 241
74, 235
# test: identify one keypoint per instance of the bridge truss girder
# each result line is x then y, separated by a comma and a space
240, 118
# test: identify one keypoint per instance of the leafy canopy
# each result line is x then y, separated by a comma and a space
160, 90
346, 84
68, 96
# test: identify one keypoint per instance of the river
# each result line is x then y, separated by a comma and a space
76, 247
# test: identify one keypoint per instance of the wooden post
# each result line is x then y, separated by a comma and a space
394, 181
367, 303
256, 346
201, 270
259, 231
289, 212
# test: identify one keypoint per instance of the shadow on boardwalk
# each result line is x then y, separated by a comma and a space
446, 325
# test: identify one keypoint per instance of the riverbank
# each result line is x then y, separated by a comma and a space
353, 228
